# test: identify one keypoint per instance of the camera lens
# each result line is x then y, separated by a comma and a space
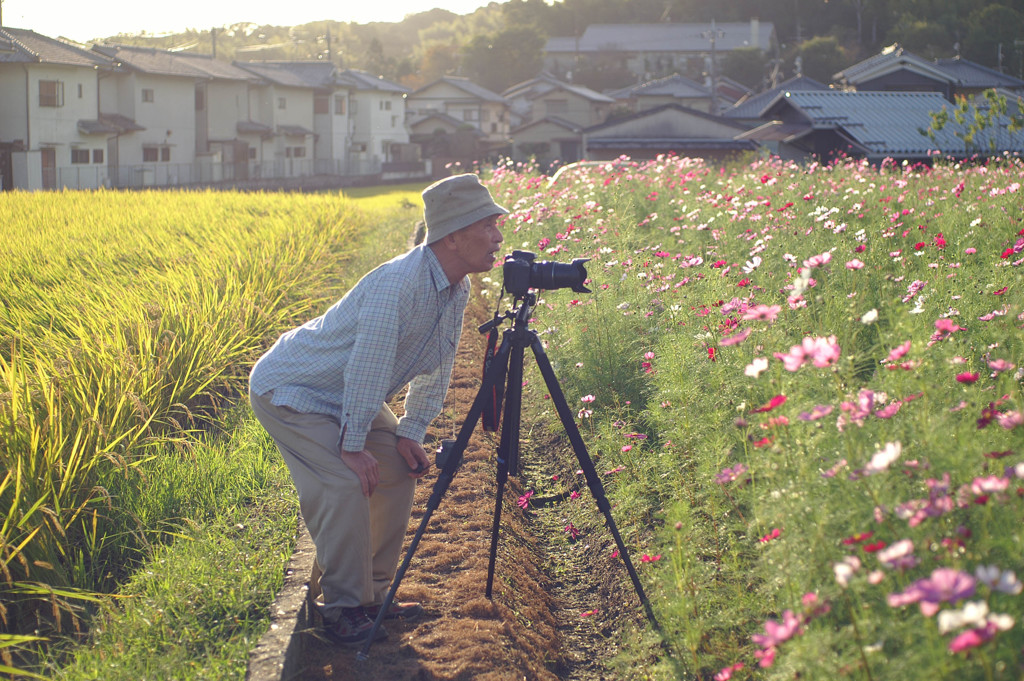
554, 275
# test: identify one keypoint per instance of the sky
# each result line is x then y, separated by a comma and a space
83, 21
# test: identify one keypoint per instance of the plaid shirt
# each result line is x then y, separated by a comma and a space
400, 324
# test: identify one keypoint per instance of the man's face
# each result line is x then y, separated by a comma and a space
477, 245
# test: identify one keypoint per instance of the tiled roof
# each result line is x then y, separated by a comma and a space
308, 74
253, 128
545, 84
557, 120
751, 106
23, 46
109, 124
882, 123
890, 59
467, 86
658, 109
970, 75
294, 130
672, 86
670, 37
166, 63
362, 80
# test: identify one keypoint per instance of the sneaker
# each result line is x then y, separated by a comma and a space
405, 611
352, 625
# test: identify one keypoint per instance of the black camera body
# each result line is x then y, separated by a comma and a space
521, 273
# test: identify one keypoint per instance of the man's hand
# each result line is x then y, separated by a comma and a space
414, 456
364, 465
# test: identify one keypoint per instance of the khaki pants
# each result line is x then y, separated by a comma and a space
358, 540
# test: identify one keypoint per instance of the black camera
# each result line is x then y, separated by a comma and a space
521, 274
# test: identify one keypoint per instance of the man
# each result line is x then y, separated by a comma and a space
321, 393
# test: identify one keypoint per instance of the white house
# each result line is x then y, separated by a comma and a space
545, 95
377, 110
188, 106
463, 100
51, 131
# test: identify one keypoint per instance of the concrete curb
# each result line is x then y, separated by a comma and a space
278, 654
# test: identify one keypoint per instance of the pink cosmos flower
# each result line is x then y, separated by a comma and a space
736, 338
778, 632
944, 585
854, 264
524, 500
818, 260
1000, 365
898, 352
889, 411
766, 313
774, 534
1010, 419
587, 398
819, 411
776, 401
899, 555
967, 377
726, 673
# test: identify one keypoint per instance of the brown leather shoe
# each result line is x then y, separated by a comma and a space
405, 611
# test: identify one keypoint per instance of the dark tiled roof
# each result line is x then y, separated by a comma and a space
109, 124
308, 74
362, 80
750, 107
672, 86
557, 120
253, 128
167, 63
890, 59
883, 123
293, 130
970, 75
20, 45
671, 143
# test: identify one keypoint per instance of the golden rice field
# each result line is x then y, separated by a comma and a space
125, 320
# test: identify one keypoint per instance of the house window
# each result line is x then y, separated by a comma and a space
51, 93
295, 152
152, 154
147, 94
385, 105
80, 90
252, 153
469, 114
97, 156
494, 127
282, 103
321, 104
339, 105
79, 156
200, 99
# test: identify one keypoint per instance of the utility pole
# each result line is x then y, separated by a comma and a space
713, 35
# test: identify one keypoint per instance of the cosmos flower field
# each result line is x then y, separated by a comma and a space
804, 387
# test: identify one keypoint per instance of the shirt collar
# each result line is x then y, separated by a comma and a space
437, 274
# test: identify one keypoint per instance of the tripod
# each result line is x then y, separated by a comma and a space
503, 375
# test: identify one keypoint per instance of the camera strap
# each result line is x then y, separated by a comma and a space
491, 417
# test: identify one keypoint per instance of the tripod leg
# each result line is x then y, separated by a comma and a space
508, 449
448, 468
587, 466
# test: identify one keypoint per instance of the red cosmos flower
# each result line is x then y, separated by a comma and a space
998, 455
743, 282
774, 534
1000, 291
967, 377
1007, 253
722, 263
919, 246
650, 559
776, 401
711, 354
764, 442
940, 242
858, 538
874, 547
860, 249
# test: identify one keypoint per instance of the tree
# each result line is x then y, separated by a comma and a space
746, 65
990, 27
822, 58
508, 57
976, 116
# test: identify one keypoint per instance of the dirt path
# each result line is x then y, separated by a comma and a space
532, 629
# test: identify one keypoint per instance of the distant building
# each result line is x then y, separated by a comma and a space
654, 50
52, 133
460, 99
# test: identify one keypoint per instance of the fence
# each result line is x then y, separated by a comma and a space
199, 173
